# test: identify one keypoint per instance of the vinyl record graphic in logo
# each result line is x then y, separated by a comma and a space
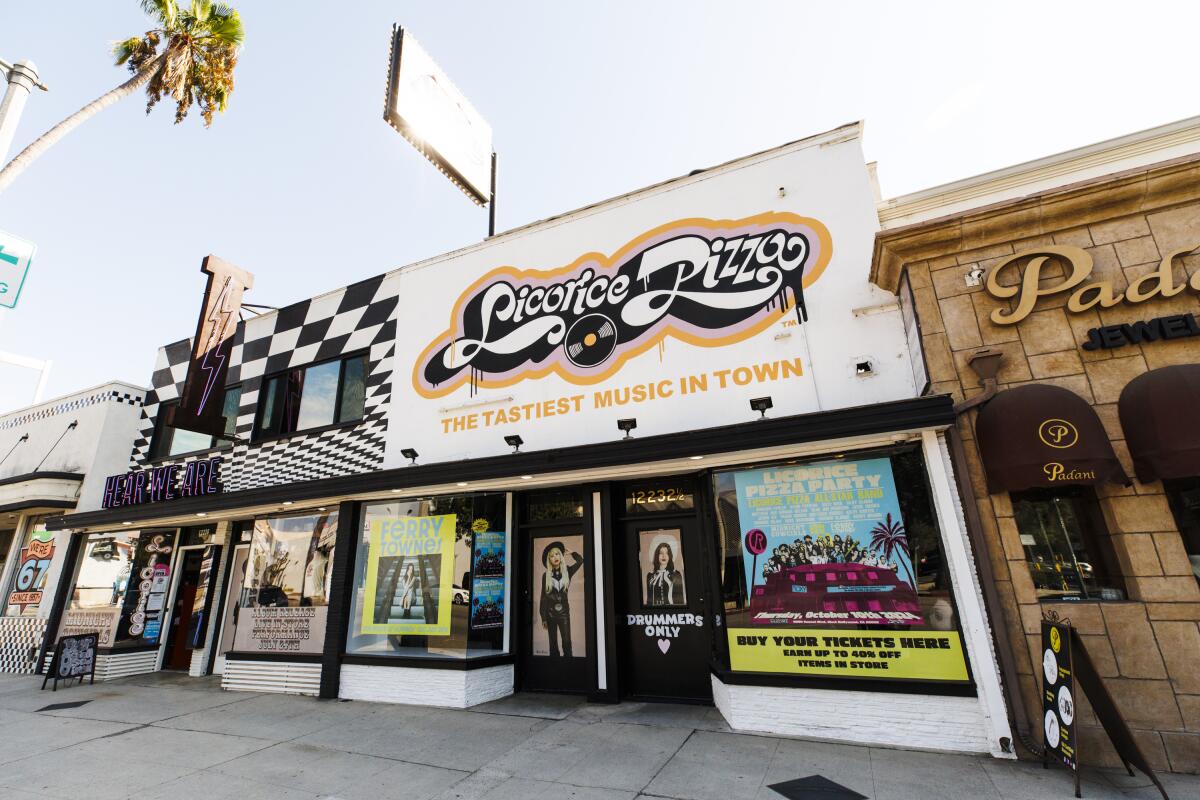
591, 340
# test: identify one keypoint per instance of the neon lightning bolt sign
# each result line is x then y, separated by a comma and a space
209, 364
219, 318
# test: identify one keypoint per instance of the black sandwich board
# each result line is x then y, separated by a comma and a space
1065, 663
74, 657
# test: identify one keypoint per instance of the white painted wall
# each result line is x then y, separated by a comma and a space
824, 178
97, 447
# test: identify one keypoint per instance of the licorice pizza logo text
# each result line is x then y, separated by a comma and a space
706, 282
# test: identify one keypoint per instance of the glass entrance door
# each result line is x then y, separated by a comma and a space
663, 625
233, 602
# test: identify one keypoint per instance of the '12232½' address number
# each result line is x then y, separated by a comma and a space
641, 499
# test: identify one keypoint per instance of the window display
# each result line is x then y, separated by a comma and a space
284, 600
430, 578
1066, 545
120, 588
1183, 494
35, 557
833, 567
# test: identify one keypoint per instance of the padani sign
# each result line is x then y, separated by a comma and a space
825, 549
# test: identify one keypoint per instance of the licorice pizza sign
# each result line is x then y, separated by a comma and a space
706, 282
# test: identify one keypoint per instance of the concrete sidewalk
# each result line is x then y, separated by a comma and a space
170, 736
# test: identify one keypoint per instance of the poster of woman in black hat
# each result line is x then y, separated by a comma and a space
558, 577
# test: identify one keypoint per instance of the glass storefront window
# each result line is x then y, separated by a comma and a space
833, 567
1066, 545
430, 578
285, 596
170, 441
35, 557
120, 588
1184, 497
7, 535
313, 397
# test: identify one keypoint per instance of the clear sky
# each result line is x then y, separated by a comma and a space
302, 182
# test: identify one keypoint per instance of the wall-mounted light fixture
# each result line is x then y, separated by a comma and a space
514, 441
410, 454
626, 425
761, 404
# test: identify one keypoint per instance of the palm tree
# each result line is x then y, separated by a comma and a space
188, 57
889, 536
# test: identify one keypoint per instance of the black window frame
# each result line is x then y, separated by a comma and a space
258, 435
1097, 540
161, 427
1187, 522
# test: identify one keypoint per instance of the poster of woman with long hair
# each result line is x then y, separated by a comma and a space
559, 579
662, 563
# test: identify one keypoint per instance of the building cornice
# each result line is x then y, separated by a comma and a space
1136, 191
1123, 153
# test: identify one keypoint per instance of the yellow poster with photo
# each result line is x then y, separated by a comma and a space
410, 576
849, 653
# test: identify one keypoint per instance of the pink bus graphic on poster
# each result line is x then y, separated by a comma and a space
825, 544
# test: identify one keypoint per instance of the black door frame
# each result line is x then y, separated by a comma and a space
522, 638
611, 515
703, 518
664, 520
169, 636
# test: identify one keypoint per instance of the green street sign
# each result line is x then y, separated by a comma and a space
16, 254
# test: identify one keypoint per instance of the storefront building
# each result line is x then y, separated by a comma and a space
1057, 302
50, 455
672, 446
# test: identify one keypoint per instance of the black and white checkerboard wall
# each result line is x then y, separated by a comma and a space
360, 317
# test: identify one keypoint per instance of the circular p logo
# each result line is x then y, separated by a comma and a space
1058, 433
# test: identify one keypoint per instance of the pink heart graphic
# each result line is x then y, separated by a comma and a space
664, 645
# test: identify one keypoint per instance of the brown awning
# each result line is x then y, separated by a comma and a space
1158, 413
1042, 436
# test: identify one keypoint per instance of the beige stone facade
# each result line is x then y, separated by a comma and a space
1147, 649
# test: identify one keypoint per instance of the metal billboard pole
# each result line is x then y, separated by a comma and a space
21, 77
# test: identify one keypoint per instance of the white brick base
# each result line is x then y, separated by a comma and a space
911, 721
449, 688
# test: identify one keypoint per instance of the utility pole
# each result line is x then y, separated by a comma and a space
21, 77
